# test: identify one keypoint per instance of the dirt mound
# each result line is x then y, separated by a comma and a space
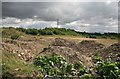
81, 51
25, 49
111, 51
68, 53
85, 46
61, 50
91, 44
63, 42
115, 47
21, 49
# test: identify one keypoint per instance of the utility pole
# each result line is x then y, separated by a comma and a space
57, 22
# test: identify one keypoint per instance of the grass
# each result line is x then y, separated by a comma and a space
108, 41
11, 63
77, 39
7, 33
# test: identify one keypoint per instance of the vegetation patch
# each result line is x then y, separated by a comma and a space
12, 66
64, 31
56, 66
15, 36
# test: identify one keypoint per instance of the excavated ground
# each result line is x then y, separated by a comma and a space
28, 49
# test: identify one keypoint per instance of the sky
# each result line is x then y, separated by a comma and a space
80, 16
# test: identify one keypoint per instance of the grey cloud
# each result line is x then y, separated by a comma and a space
93, 13
66, 12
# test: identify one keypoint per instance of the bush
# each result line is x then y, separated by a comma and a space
92, 36
87, 76
15, 36
57, 66
107, 70
32, 31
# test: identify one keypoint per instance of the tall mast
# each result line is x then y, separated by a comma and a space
57, 22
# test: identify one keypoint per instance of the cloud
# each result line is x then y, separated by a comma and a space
27, 23
66, 12
10, 20
82, 16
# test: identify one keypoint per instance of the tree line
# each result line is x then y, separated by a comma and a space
64, 31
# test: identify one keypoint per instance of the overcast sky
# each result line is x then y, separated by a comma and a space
80, 16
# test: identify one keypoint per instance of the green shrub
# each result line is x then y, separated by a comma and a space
57, 66
69, 68
92, 36
87, 76
15, 36
107, 70
31, 31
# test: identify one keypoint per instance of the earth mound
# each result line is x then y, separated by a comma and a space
72, 51
112, 51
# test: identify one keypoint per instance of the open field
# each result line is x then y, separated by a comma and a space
80, 38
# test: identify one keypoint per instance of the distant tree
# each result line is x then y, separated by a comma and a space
92, 36
32, 31
21, 29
